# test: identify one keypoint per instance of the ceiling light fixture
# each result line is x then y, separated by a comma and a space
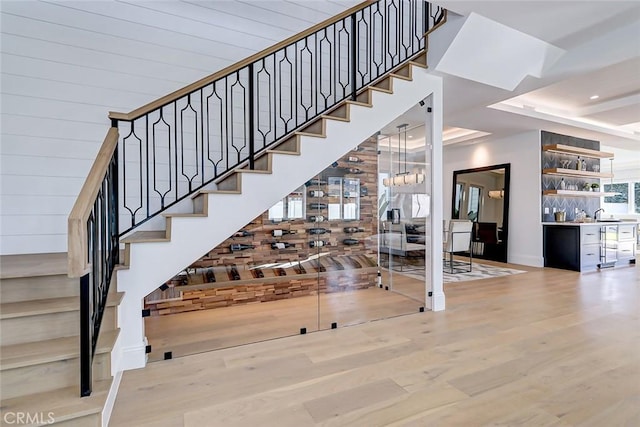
403, 176
594, 97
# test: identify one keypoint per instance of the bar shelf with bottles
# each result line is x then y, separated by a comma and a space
574, 173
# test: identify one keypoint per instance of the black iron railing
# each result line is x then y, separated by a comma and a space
161, 153
188, 141
94, 248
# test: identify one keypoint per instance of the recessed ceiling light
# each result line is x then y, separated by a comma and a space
410, 136
594, 97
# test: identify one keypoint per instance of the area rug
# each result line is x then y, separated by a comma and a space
479, 271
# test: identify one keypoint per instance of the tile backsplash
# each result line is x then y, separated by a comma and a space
552, 182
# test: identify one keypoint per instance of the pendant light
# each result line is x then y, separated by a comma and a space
403, 177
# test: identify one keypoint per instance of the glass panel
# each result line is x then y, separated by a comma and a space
636, 192
259, 284
403, 212
310, 262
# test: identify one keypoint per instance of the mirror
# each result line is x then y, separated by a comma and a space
482, 196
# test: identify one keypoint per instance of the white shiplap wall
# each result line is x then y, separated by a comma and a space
66, 64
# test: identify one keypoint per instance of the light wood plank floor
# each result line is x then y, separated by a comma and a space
543, 348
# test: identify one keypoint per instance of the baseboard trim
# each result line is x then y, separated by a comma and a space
111, 398
439, 302
529, 260
133, 358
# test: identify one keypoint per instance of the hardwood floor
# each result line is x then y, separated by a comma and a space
543, 348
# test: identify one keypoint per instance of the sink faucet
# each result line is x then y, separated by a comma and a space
595, 214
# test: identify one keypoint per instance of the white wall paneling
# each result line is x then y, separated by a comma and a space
65, 65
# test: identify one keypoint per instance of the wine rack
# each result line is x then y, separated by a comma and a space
356, 267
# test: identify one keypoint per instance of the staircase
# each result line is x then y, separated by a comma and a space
62, 339
39, 357
152, 257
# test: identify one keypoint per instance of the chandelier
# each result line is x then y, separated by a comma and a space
403, 177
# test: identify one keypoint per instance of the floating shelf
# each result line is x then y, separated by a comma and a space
577, 151
576, 173
573, 193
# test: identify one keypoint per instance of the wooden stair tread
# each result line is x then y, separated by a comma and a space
364, 104
184, 215
276, 151
146, 236
337, 118
12, 310
258, 171
34, 353
65, 403
29, 265
220, 192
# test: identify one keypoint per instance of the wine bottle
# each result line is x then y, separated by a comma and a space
316, 193
351, 242
354, 170
333, 165
336, 263
353, 230
354, 159
240, 247
233, 273
349, 194
354, 263
299, 269
317, 206
358, 148
210, 276
257, 273
316, 218
318, 230
242, 233
278, 233
281, 245
315, 182
318, 243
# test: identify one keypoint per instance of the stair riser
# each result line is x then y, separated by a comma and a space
48, 326
229, 184
37, 328
50, 376
42, 287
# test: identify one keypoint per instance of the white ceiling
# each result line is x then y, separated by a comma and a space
131, 52
602, 44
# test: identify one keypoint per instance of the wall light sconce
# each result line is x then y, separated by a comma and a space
496, 194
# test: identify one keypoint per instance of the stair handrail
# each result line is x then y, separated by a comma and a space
77, 244
145, 109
